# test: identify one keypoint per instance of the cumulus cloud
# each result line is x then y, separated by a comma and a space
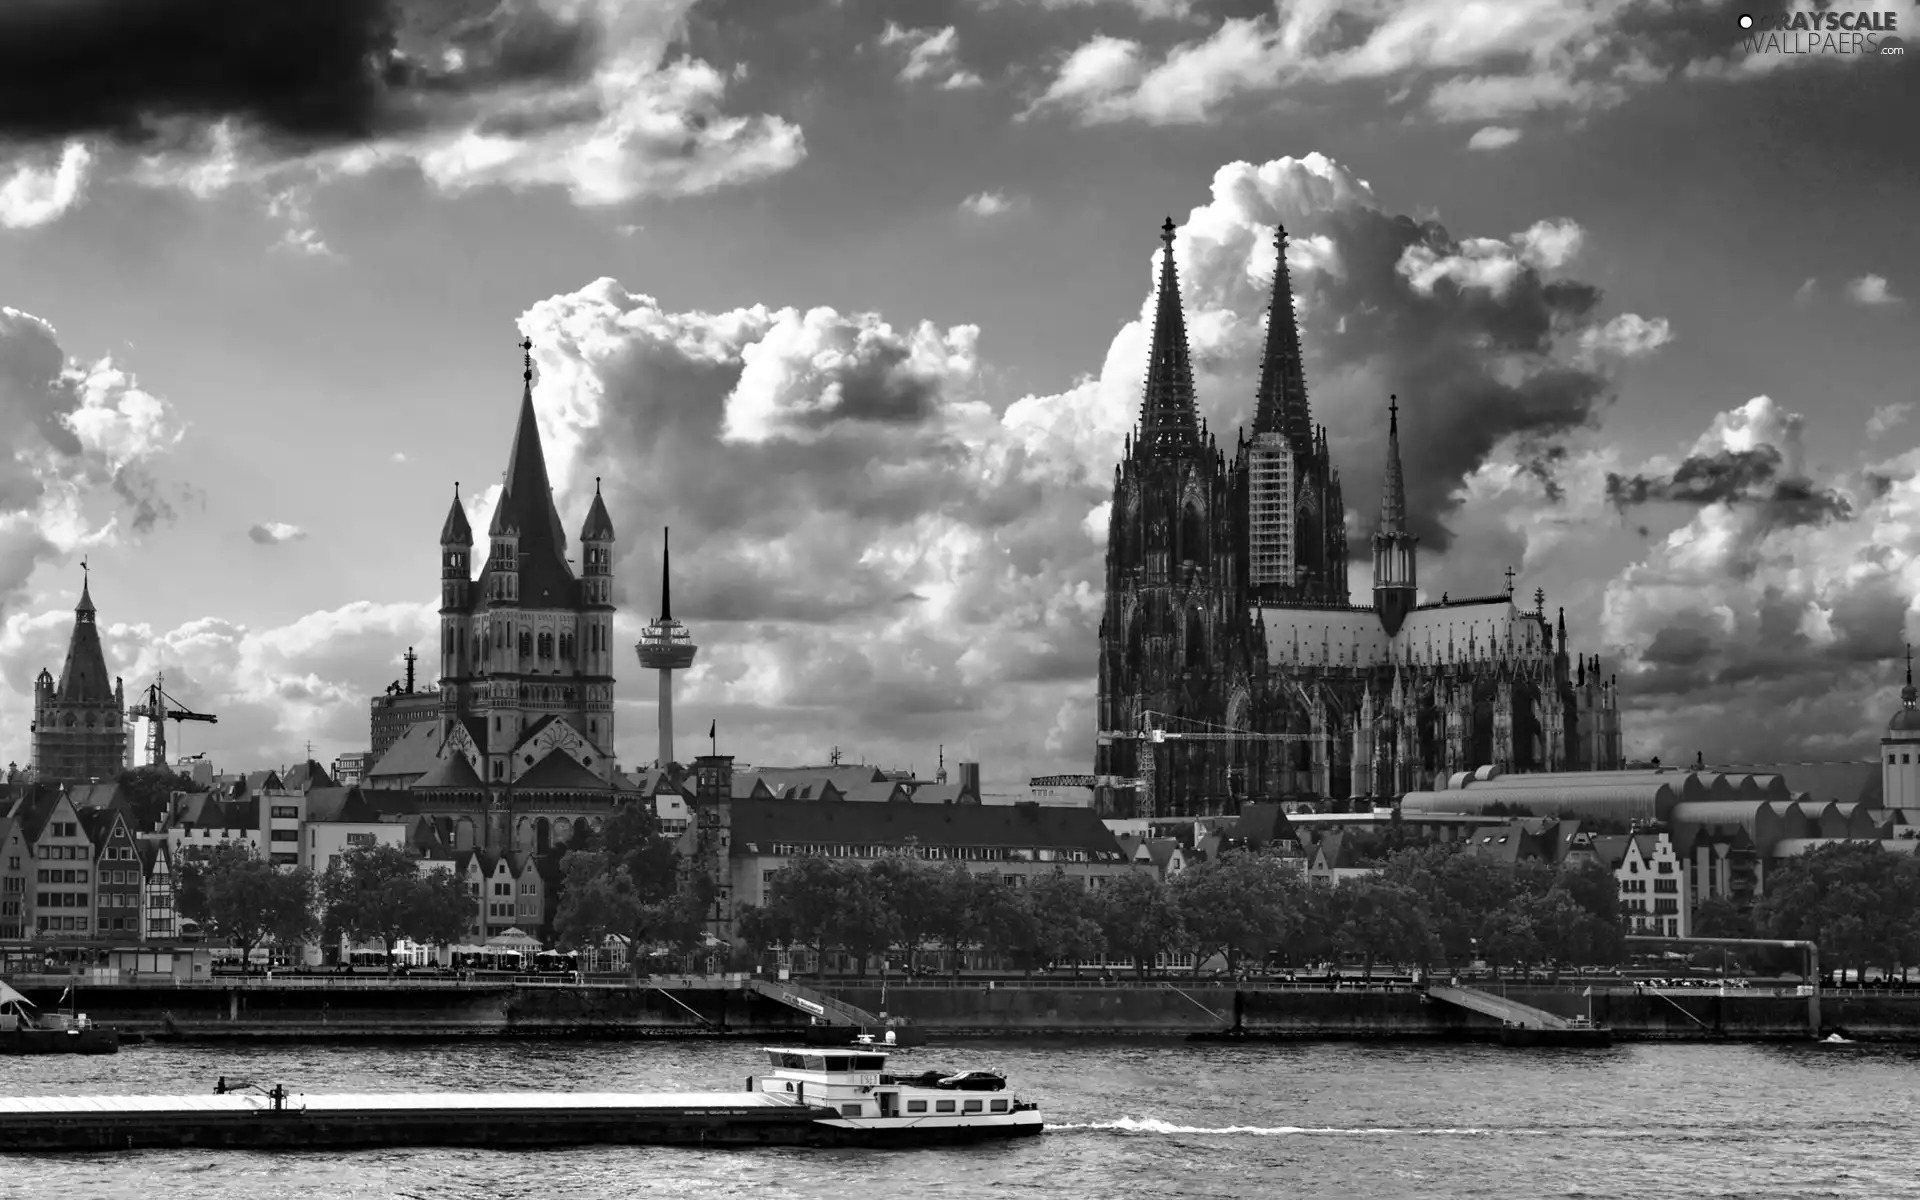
1628, 335
990, 204
1485, 63
1871, 290
273, 533
1493, 137
76, 441
399, 456
1774, 616
1153, 10
932, 56
586, 95
34, 195
1886, 418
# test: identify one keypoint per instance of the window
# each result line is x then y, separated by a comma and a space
289, 811
849, 1110
971, 1106
286, 835
916, 1106
998, 1106
943, 1106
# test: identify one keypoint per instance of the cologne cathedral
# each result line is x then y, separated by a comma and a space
1234, 664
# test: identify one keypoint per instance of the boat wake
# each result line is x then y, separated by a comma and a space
1155, 1125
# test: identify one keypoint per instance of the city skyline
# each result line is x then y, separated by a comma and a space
1651, 284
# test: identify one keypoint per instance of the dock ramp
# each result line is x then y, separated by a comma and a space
1501, 1009
815, 1003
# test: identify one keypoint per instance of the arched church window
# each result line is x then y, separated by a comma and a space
526, 643
1193, 535
1196, 640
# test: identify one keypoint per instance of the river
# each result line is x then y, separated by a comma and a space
1126, 1119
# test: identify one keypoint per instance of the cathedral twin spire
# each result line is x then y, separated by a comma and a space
1169, 422
1282, 404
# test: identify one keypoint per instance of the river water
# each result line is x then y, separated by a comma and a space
1126, 1119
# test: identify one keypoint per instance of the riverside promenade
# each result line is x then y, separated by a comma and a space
307, 1007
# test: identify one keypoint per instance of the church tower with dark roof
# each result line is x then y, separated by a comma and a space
526, 648
79, 721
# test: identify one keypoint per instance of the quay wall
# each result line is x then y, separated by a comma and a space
259, 1009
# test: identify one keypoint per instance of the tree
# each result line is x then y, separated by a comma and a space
804, 895
912, 890
1239, 905
1009, 927
235, 895
1068, 917
628, 880
379, 892
1380, 921
1857, 902
1507, 936
959, 913
1140, 917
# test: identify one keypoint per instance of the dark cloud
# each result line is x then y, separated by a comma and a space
300, 73
1748, 477
1472, 366
142, 493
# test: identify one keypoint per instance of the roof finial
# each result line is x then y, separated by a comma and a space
1907, 694
526, 349
1509, 581
1166, 234
596, 485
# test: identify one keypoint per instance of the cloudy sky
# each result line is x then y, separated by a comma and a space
849, 294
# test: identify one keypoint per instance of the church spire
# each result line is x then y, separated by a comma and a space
84, 611
1907, 694
1282, 403
1393, 490
1168, 423
1395, 585
526, 499
84, 678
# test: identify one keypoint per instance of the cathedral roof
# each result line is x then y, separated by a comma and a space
453, 771
526, 510
599, 526
456, 532
558, 772
1168, 422
84, 678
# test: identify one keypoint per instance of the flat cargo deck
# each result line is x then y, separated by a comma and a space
295, 1120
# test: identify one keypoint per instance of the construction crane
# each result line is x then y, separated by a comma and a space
1153, 730
158, 709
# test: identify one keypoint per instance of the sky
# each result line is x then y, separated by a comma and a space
851, 294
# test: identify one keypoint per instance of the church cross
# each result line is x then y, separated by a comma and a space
1509, 581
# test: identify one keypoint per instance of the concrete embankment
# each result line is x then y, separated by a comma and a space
315, 1009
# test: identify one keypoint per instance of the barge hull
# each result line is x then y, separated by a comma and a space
138, 1123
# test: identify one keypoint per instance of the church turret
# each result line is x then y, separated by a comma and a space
79, 729
456, 557
1395, 587
596, 550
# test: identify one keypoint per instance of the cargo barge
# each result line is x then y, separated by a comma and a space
807, 1098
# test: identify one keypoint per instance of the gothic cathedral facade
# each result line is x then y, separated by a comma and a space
1234, 664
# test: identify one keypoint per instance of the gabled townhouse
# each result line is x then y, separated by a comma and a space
156, 864
118, 886
530, 895
472, 868
203, 820
62, 856
500, 892
15, 870
1651, 876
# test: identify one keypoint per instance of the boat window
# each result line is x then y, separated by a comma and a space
849, 1110
816, 1063
837, 1062
943, 1106
869, 1062
998, 1106
914, 1106
972, 1106
793, 1062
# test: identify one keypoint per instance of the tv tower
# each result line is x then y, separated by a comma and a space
666, 646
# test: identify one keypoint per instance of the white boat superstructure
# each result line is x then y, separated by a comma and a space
855, 1082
